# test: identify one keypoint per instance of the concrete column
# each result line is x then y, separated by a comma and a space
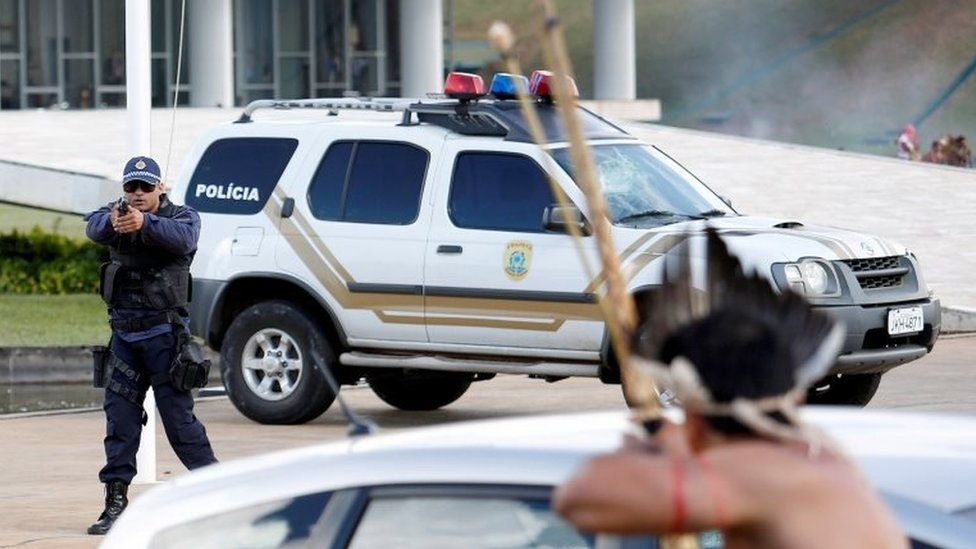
421, 47
614, 60
210, 26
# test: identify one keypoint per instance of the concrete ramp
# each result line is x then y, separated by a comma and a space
927, 207
54, 189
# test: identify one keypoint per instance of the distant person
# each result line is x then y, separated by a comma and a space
7, 95
908, 147
113, 69
147, 287
939, 153
959, 153
750, 467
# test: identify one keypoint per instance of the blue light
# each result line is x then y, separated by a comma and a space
506, 85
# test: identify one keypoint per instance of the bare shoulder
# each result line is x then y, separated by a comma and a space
780, 484
756, 466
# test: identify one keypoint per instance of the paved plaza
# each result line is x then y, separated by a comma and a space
49, 491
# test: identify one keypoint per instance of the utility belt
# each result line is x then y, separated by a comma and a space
190, 369
144, 288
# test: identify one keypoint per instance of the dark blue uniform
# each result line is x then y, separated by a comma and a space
145, 341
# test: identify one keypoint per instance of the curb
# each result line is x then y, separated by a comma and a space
45, 365
22, 365
958, 320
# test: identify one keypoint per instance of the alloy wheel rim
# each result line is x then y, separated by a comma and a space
272, 364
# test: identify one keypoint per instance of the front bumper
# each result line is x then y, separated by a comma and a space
869, 349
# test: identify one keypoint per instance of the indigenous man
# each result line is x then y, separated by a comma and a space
748, 466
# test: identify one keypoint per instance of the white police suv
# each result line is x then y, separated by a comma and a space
419, 245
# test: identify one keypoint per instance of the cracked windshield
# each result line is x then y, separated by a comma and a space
643, 187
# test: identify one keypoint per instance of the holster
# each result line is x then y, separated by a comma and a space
106, 280
104, 362
100, 356
190, 369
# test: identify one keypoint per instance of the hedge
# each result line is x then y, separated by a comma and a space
39, 262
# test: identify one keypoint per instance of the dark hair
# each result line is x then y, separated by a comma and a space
736, 355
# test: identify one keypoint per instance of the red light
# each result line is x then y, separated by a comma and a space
540, 85
464, 86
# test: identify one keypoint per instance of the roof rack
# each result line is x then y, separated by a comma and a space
454, 115
463, 117
384, 104
485, 117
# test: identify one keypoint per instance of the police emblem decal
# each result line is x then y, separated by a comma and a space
517, 259
140, 165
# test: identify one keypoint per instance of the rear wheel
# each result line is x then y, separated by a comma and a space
419, 390
266, 362
850, 390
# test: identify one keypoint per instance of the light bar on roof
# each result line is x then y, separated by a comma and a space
541, 85
506, 85
464, 86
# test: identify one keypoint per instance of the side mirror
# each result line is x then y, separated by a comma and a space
558, 219
727, 200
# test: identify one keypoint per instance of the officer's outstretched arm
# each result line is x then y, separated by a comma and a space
99, 228
178, 234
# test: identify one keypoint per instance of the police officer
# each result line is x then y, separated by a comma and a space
146, 286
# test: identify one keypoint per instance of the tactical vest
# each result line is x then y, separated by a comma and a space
140, 276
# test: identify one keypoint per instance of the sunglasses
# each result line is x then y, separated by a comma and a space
131, 186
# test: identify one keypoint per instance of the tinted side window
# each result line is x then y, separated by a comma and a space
285, 523
369, 182
237, 176
325, 192
504, 192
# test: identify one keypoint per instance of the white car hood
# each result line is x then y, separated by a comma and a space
758, 242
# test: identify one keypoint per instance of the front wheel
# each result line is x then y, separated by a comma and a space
267, 366
849, 390
418, 390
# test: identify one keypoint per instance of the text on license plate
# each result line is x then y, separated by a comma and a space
906, 320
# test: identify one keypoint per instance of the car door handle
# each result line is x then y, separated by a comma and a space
449, 249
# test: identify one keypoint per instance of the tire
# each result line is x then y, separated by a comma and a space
849, 390
273, 388
419, 390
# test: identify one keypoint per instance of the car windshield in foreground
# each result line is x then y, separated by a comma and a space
642, 186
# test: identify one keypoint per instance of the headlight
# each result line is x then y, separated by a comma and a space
812, 277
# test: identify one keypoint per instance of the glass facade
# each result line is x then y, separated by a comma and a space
315, 48
71, 53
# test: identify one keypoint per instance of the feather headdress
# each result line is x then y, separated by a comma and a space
713, 313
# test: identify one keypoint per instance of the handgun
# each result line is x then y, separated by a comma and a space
123, 206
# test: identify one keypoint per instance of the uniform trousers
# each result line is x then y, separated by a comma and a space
124, 418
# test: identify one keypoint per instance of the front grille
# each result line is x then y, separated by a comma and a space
873, 263
878, 272
878, 338
889, 281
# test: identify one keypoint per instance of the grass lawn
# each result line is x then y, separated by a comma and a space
52, 320
24, 219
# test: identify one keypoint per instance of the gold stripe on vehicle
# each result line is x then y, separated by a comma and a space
520, 308
396, 308
659, 247
542, 326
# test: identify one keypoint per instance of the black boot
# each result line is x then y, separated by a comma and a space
115, 503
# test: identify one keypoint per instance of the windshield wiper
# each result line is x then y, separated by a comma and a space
713, 213
656, 213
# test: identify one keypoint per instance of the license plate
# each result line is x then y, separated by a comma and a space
906, 320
